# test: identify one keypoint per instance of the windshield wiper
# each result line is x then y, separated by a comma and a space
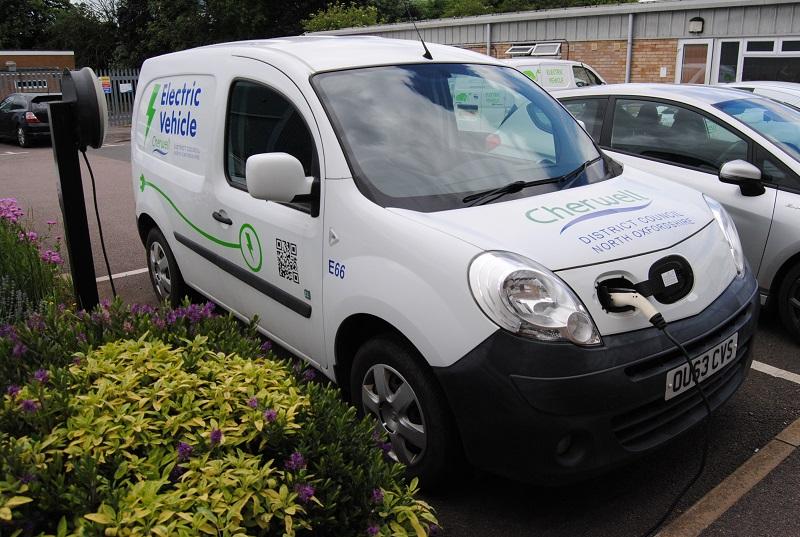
516, 186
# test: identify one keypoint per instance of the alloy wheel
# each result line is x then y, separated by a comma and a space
387, 395
159, 268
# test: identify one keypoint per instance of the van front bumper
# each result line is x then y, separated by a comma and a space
556, 412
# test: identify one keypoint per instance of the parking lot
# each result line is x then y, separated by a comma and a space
624, 502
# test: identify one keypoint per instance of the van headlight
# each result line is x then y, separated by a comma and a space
526, 299
728, 228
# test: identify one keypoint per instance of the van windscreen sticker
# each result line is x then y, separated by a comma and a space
249, 244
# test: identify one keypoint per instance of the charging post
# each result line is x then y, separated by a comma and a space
78, 120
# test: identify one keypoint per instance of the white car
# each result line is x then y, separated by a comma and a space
784, 92
357, 197
552, 74
742, 149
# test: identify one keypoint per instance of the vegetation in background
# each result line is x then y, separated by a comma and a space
123, 33
142, 421
29, 271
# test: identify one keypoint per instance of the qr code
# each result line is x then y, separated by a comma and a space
287, 260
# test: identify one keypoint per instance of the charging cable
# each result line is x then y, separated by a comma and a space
627, 297
99, 224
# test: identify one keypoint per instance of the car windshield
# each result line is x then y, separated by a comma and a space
424, 137
777, 122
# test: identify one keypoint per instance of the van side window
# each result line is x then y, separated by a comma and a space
261, 120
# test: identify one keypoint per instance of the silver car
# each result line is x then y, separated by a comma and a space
740, 148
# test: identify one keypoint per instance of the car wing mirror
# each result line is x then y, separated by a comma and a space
743, 174
276, 177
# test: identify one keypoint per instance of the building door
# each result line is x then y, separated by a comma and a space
694, 61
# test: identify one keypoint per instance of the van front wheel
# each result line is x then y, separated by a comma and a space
164, 273
408, 406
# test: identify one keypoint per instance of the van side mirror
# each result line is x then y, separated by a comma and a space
276, 177
743, 174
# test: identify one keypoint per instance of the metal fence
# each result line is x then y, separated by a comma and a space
44, 81
119, 87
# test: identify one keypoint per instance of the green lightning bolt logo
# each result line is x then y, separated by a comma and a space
151, 109
249, 244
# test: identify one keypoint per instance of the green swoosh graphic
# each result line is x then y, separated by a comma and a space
145, 183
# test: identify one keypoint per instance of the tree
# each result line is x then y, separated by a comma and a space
80, 29
341, 16
26, 23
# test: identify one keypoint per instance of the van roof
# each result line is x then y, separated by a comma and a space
326, 53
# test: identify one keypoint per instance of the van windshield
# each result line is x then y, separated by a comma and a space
424, 137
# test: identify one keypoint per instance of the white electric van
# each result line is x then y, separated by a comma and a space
434, 235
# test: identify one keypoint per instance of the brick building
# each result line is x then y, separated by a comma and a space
26, 60
700, 41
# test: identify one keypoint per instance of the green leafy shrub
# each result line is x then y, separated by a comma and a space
338, 15
142, 421
29, 272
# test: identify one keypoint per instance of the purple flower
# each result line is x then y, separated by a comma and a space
81, 337
42, 376
13, 391
7, 330
76, 360
35, 322
252, 402
28, 236
142, 309
270, 415
386, 447
9, 210
216, 437
105, 303
266, 346
373, 530
127, 327
184, 451
27, 478
18, 350
51, 222
29, 405
159, 323
208, 310
304, 492
309, 375
51, 256
295, 462
377, 495
176, 473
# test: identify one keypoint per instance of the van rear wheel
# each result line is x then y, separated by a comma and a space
789, 301
164, 272
408, 406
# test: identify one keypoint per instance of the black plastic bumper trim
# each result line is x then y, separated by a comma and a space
276, 293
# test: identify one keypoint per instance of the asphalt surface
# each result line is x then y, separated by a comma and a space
622, 503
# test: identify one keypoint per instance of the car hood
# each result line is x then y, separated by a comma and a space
630, 215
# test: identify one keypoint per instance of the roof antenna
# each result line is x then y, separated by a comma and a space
427, 54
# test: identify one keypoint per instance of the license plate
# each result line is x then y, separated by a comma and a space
680, 379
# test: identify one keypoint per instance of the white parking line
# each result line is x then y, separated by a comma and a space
16, 152
123, 274
775, 372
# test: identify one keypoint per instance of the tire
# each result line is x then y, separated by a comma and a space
165, 275
789, 301
22, 139
419, 424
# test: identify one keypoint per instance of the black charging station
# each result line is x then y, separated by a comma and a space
76, 122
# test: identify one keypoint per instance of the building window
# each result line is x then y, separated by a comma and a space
539, 49
760, 46
728, 61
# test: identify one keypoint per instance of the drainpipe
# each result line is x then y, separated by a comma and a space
629, 52
488, 38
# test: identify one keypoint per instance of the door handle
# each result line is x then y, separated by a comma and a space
220, 216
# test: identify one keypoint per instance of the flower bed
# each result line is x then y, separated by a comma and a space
29, 271
140, 421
